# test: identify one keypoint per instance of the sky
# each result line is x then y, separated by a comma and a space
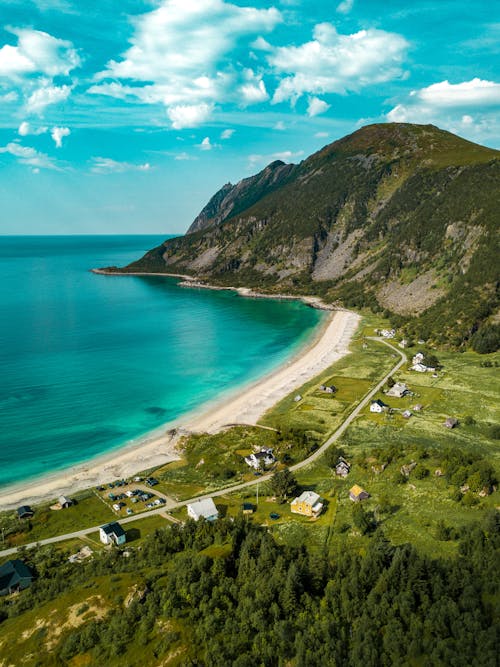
126, 116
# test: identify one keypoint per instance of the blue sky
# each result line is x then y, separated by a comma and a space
125, 116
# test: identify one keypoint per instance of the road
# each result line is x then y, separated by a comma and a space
237, 487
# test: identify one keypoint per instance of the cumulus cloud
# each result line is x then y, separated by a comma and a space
321, 135
11, 96
205, 145
227, 134
105, 165
29, 156
335, 63
37, 52
253, 90
26, 128
58, 133
345, 7
189, 115
316, 106
430, 102
179, 57
45, 96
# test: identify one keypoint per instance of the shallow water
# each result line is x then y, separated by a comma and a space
89, 362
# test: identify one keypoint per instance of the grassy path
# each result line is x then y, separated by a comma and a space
237, 487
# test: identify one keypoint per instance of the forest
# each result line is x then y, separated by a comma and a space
228, 594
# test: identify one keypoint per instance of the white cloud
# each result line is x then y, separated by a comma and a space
284, 156
467, 120
430, 103
29, 156
45, 96
58, 133
37, 52
227, 134
189, 115
253, 90
335, 63
468, 93
345, 7
321, 135
280, 126
179, 58
205, 145
11, 96
316, 106
261, 44
185, 156
105, 165
26, 128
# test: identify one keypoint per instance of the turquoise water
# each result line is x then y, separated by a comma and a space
89, 362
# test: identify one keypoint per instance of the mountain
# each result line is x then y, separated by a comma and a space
401, 218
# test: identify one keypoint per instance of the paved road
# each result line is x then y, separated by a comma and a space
237, 487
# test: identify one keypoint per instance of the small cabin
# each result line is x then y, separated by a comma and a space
24, 512
65, 502
308, 504
203, 509
357, 493
15, 575
378, 406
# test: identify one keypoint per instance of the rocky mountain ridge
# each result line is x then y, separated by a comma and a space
397, 217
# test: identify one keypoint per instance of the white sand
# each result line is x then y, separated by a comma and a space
245, 406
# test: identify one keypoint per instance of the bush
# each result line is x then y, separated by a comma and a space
487, 339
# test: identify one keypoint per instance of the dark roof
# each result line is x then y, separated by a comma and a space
15, 573
24, 510
113, 528
379, 402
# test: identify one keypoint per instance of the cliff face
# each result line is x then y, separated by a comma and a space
395, 216
232, 199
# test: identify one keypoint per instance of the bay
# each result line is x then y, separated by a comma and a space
90, 362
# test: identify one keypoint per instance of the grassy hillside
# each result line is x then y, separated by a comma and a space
401, 218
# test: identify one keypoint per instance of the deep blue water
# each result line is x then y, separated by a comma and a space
89, 362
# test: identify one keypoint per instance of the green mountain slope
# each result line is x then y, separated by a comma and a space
397, 217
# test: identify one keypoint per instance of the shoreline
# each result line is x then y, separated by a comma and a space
245, 404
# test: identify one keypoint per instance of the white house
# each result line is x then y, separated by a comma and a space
398, 390
264, 458
377, 406
65, 502
112, 533
203, 509
420, 368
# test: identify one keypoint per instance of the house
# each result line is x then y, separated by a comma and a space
388, 333
328, 389
418, 407
15, 576
308, 504
112, 533
24, 512
403, 343
420, 368
418, 358
451, 422
262, 458
356, 494
297, 398
248, 508
65, 502
377, 406
407, 414
398, 390
203, 509
342, 469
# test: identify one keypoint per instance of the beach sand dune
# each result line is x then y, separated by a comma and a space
245, 406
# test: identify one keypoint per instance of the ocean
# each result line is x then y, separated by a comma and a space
89, 363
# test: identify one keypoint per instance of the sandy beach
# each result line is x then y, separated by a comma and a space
243, 406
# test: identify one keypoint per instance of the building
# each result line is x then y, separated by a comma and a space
398, 390
342, 469
418, 407
203, 509
260, 459
248, 508
451, 422
377, 406
357, 493
297, 398
112, 533
24, 512
328, 389
14, 576
308, 504
65, 502
420, 368
407, 414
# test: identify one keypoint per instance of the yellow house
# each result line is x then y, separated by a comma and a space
357, 493
308, 504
